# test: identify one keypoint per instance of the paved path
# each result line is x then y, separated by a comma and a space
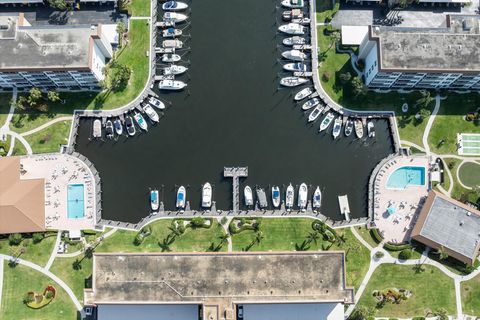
45, 125
12, 146
1, 280
411, 144
22, 140
54, 251
431, 119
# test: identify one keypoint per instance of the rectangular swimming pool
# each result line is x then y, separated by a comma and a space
75, 203
406, 176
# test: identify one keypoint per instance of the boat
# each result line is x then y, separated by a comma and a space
156, 103
302, 21
295, 67
109, 129
315, 113
317, 198
295, 55
171, 33
287, 15
310, 104
262, 198
152, 114
140, 121
181, 196
174, 17
276, 196
174, 6
174, 70
337, 128
292, 3
117, 124
302, 94
302, 196
172, 43
248, 195
171, 85
154, 200
171, 57
289, 196
371, 129
292, 28
292, 81
207, 195
348, 127
130, 126
326, 121
295, 40
97, 128
359, 128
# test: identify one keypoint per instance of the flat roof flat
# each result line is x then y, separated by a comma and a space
241, 277
353, 35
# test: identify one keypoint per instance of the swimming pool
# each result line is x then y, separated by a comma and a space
406, 176
76, 204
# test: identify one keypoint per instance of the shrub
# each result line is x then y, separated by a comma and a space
15, 239
326, 76
29, 298
197, 222
49, 294
138, 239
38, 237
233, 228
376, 235
329, 236
26, 243
224, 220
89, 232
405, 254
418, 318
379, 254
396, 247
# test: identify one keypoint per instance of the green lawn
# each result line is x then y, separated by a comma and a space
459, 192
366, 236
75, 279
139, 8
471, 296
4, 106
20, 280
35, 252
324, 10
431, 291
469, 174
19, 149
51, 138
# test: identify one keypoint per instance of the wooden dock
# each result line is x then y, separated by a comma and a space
235, 173
344, 207
164, 50
306, 74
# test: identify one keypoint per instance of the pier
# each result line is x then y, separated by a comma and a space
344, 207
235, 173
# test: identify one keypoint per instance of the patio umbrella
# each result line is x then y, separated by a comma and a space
391, 210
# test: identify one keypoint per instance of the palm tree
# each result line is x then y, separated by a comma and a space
442, 254
302, 247
258, 237
313, 237
175, 230
341, 239
77, 264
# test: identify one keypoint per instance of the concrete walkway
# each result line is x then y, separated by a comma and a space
54, 251
12, 147
45, 125
431, 119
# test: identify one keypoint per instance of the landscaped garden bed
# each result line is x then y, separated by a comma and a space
39, 300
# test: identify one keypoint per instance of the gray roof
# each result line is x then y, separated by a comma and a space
452, 227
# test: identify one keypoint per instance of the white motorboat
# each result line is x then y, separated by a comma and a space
371, 129
348, 128
171, 57
287, 15
172, 43
171, 33
174, 70
117, 124
154, 200
207, 195
109, 129
140, 121
302, 94
276, 196
292, 28
181, 197
302, 21
174, 17
289, 196
295, 40
292, 81
261, 198
171, 85
174, 6
337, 128
315, 113
130, 126
359, 128
295, 55
97, 128
302, 196
248, 195
152, 114
327, 121
317, 198
156, 103
310, 104
292, 3
295, 67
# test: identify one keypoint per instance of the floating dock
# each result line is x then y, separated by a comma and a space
164, 50
235, 173
344, 207
302, 46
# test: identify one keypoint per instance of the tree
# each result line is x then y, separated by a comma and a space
441, 314
77, 265
58, 4
302, 247
425, 100
34, 95
118, 75
37, 237
345, 77
358, 87
121, 29
15, 239
28, 298
334, 37
424, 113
405, 254
313, 237
442, 254
258, 237
362, 313
53, 96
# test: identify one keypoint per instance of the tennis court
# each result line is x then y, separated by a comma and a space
469, 144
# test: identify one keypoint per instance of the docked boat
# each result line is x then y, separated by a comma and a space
348, 127
326, 121
171, 85
317, 198
359, 128
302, 94
174, 17
171, 33
337, 128
287, 15
109, 129
371, 129
292, 28
174, 6
295, 40
302, 21
181, 197
302, 196
310, 104
248, 195
289, 196
154, 200
262, 198
207, 195
152, 114
292, 81
140, 121
171, 57
172, 43
276, 196
130, 126
315, 113
293, 3
174, 70
295, 55
295, 67
117, 124
156, 103
97, 128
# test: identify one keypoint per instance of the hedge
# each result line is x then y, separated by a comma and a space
396, 247
233, 229
376, 235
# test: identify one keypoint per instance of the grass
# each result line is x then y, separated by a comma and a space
19, 149
471, 296
431, 291
324, 10
20, 280
4, 106
51, 138
459, 192
469, 174
34, 252
75, 279
452, 264
139, 8
366, 235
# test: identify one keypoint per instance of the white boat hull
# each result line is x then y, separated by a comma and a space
248, 195
292, 81
172, 85
302, 94
302, 196
207, 195
181, 197
179, 6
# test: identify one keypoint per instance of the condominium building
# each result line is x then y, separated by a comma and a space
424, 58
51, 57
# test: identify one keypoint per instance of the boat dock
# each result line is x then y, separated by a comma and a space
235, 173
164, 50
344, 207
164, 24
306, 74
302, 47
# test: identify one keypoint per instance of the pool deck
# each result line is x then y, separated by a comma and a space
59, 171
407, 202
